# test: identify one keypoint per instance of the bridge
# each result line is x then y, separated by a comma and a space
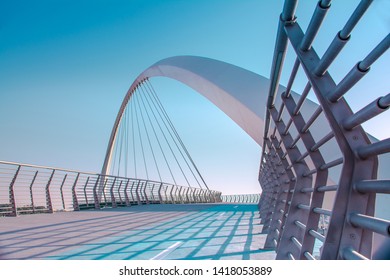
324, 182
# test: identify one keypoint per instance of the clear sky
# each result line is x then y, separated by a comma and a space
65, 67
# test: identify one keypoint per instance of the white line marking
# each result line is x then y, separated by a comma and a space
167, 251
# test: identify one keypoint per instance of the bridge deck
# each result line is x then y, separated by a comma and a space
191, 232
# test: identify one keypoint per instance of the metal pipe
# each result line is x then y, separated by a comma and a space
280, 112
380, 49
308, 256
303, 207
317, 235
303, 156
296, 242
374, 149
290, 256
315, 24
330, 55
312, 119
327, 188
368, 112
300, 225
322, 211
307, 190
295, 141
374, 224
359, 70
278, 59
384, 102
285, 132
309, 173
302, 98
332, 164
351, 254
373, 186
354, 75
292, 78
341, 38
355, 17
322, 141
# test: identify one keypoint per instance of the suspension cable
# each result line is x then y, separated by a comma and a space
170, 133
154, 94
140, 139
133, 134
170, 147
150, 144
158, 142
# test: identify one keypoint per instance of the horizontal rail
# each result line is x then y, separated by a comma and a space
300, 225
311, 120
373, 186
309, 256
374, 149
322, 141
327, 188
317, 235
42, 189
351, 254
371, 110
296, 242
377, 225
322, 211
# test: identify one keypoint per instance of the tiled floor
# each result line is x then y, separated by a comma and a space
190, 232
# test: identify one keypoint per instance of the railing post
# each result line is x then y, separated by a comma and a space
170, 194
119, 192
12, 193
113, 201
137, 193
49, 204
159, 193
76, 206
131, 191
61, 190
126, 195
146, 196
96, 197
31, 191
85, 191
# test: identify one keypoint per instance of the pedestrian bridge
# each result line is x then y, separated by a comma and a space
147, 232
324, 180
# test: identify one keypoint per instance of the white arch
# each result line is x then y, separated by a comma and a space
239, 93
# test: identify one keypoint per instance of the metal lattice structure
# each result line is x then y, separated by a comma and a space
302, 204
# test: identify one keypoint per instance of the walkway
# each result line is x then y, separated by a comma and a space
191, 232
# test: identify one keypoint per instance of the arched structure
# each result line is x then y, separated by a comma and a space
239, 93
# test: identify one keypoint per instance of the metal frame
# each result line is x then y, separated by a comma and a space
349, 234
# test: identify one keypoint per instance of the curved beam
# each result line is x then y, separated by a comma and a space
239, 93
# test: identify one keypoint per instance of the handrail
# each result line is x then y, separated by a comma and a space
30, 189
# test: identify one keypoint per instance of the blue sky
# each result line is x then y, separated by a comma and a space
66, 66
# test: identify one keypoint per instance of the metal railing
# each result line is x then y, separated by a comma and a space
319, 189
30, 189
241, 198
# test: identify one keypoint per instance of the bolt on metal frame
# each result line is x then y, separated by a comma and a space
293, 173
